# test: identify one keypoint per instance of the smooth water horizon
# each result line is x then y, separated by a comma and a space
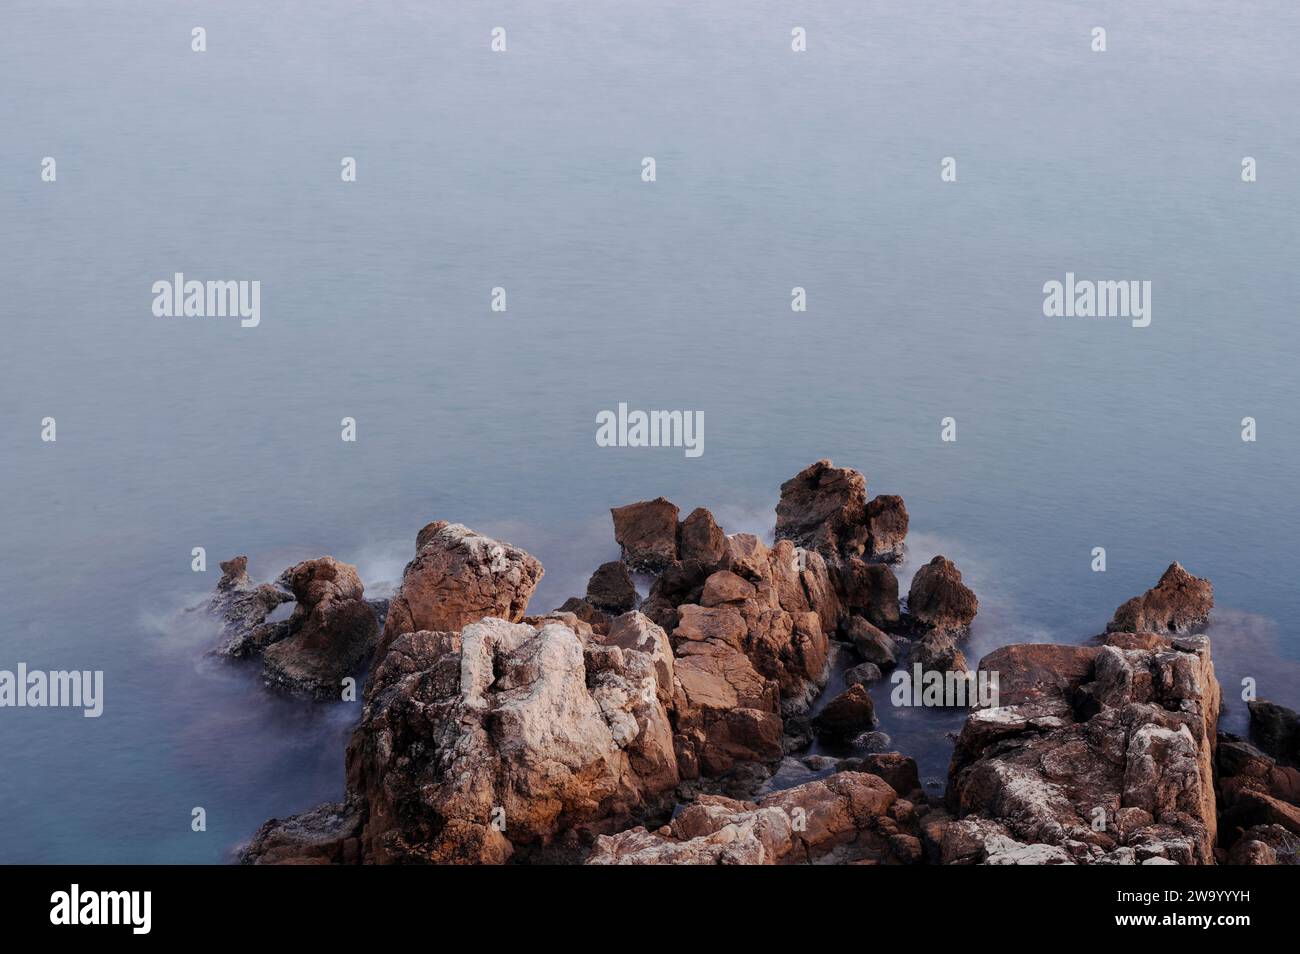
522, 170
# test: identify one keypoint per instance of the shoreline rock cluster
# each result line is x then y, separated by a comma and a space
676, 729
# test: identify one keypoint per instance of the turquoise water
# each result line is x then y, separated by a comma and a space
522, 170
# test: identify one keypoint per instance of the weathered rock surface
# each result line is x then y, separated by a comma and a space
332, 631
938, 601
823, 508
1178, 603
1276, 730
647, 532
611, 589
848, 714
1124, 734
871, 644
243, 606
502, 737
846, 817
1259, 801
886, 519
458, 577
870, 590
700, 539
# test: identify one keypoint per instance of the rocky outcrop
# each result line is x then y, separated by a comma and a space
824, 508
849, 817
938, 601
330, 634
647, 532
1259, 801
611, 590
1178, 603
869, 590
886, 519
1094, 755
242, 606
500, 738
332, 631
458, 577
702, 541
1276, 730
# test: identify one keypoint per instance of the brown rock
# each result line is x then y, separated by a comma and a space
1276, 730
837, 819
849, 713
823, 508
1178, 603
895, 768
700, 538
870, 590
886, 520
647, 532
459, 577
611, 589
726, 587
871, 644
938, 600
331, 633
475, 745
1125, 732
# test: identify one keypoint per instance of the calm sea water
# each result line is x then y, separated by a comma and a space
523, 170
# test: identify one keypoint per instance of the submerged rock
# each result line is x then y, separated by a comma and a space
1178, 603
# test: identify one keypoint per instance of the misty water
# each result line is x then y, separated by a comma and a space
522, 170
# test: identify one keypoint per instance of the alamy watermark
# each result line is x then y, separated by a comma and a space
59, 688
932, 688
1102, 299
179, 298
624, 428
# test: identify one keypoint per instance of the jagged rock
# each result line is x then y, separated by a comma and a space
1133, 730
847, 714
938, 600
505, 736
863, 674
841, 818
699, 538
871, 644
1178, 603
870, 590
1276, 730
459, 577
886, 520
611, 589
726, 710
647, 532
823, 508
243, 606
331, 633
